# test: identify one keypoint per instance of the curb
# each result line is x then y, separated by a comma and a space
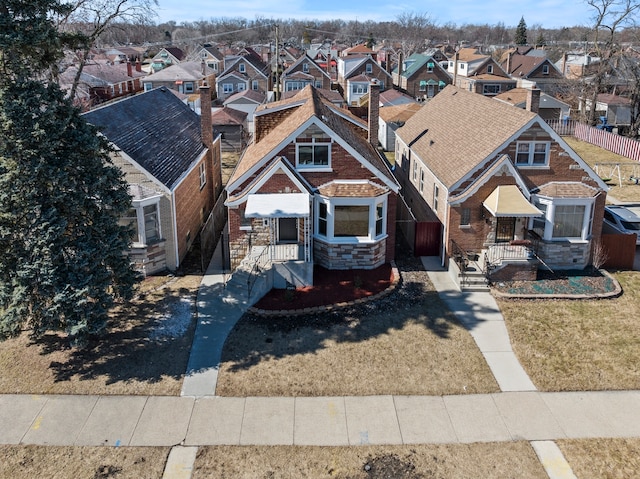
617, 291
331, 307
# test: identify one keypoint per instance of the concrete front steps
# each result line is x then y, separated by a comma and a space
472, 279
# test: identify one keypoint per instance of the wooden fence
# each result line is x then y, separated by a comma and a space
621, 145
620, 250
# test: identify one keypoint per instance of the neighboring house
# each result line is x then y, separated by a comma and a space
244, 72
357, 50
615, 109
246, 101
421, 76
355, 74
392, 97
101, 82
550, 108
577, 65
478, 73
500, 181
211, 56
166, 57
183, 78
231, 126
534, 68
392, 118
303, 72
172, 166
313, 188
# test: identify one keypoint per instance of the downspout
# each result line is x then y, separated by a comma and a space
445, 228
175, 227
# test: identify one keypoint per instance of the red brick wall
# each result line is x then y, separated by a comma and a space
193, 206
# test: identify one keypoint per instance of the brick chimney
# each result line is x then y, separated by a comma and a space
533, 100
374, 111
138, 65
206, 124
129, 69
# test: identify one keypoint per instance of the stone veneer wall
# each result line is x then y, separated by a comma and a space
349, 256
564, 254
149, 260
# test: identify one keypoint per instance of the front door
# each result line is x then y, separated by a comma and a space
287, 230
505, 229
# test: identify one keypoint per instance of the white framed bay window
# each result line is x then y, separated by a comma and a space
351, 220
144, 220
565, 219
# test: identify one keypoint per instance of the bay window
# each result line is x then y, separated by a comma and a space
144, 220
351, 219
563, 219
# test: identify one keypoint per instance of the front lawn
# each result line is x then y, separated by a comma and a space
405, 344
579, 345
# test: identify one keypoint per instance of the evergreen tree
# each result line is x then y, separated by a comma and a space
521, 33
541, 41
371, 42
62, 261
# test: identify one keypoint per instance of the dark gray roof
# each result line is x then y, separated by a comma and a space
156, 129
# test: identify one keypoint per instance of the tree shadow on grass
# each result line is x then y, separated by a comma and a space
147, 341
414, 302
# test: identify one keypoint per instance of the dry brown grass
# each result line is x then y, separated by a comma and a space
52, 462
128, 359
567, 345
229, 161
595, 155
603, 458
468, 461
408, 343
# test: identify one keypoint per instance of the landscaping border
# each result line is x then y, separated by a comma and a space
395, 282
608, 295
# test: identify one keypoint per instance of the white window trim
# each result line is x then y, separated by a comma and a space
202, 171
227, 87
325, 168
372, 203
551, 204
368, 68
138, 206
532, 148
242, 68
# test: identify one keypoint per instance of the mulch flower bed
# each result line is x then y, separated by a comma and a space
329, 287
565, 283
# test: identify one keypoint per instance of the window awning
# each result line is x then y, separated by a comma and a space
508, 200
441, 83
277, 205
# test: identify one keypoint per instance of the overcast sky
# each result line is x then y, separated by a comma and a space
547, 13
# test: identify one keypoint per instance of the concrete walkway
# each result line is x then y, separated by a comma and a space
479, 313
219, 309
321, 421
200, 418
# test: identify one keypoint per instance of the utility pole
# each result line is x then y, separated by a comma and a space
277, 85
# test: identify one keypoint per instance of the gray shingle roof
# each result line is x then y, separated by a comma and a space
156, 130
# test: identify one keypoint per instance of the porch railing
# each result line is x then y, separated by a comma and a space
461, 258
260, 264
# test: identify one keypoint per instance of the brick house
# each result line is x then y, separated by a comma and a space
244, 72
313, 188
355, 73
504, 185
172, 166
534, 68
304, 71
421, 76
478, 73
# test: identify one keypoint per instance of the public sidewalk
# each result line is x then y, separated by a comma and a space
479, 314
322, 421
